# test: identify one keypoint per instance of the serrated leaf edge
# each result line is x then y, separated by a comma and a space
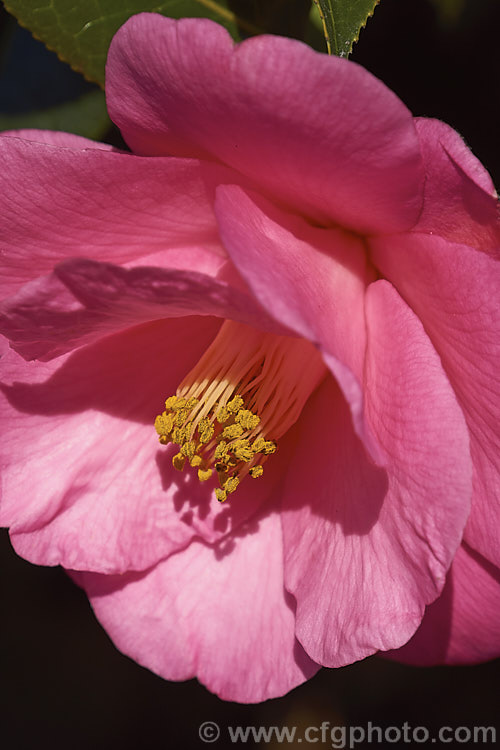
52, 49
363, 26
326, 22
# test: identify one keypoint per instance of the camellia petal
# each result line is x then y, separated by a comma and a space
116, 479
321, 276
84, 300
455, 290
112, 485
265, 108
203, 612
57, 138
133, 207
367, 549
462, 626
460, 201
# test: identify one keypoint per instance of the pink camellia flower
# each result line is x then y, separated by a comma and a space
308, 277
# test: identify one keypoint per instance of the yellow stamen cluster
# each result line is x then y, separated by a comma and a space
225, 438
247, 386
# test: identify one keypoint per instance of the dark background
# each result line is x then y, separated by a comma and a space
63, 683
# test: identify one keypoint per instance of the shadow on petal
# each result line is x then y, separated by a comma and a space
126, 375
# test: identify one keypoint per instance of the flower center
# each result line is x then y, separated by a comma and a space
245, 392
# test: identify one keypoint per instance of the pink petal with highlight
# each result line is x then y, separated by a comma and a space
311, 280
455, 291
86, 484
219, 613
366, 547
98, 204
264, 108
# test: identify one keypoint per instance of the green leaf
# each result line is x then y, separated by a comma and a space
85, 116
80, 31
342, 20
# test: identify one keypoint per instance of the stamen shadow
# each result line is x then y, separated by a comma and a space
190, 493
193, 501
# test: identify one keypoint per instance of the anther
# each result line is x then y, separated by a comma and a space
247, 387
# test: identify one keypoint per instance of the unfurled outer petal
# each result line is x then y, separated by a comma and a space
463, 625
310, 280
218, 613
455, 291
318, 133
85, 482
367, 547
83, 300
460, 202
64, 202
